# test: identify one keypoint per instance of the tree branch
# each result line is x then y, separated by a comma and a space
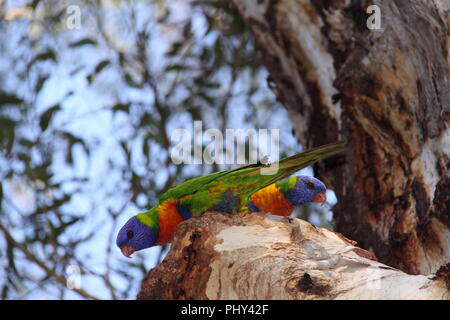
31, 257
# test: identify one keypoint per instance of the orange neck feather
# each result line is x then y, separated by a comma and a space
169, 218
270, 199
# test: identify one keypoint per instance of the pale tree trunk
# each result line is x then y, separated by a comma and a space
258, 256
386, 92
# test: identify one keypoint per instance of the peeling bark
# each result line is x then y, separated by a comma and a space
387, 93
258, 256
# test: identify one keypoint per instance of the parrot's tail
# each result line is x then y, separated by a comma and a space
304, 159
292, 164
287, 166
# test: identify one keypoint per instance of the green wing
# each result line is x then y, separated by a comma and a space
195, 184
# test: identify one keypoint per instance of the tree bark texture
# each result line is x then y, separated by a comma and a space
386, 92
261, 256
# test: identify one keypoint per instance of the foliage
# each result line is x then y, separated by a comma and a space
85, 122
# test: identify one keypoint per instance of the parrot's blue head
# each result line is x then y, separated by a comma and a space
135, 236
307, 189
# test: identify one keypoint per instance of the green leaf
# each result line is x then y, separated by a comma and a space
72, 140
126, 150
146, 147
130, 81
10, 255
201, 82
98, 68
24, 158
83, 42
47, 116
101, 65
125, 107
40, 82
47, 55
7, 134
7, 123
218, 52
175, 67
195, 112
122, 59
5, 291
6, 98
175, 48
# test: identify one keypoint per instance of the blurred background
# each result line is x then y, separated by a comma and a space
90, 92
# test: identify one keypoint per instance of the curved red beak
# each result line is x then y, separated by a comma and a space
320, 198
127, 251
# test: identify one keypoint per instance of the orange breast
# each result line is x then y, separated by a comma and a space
169, 219
270, 199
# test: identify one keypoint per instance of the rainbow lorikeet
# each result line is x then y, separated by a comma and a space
228, 191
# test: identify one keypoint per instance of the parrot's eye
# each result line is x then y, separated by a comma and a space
130, 234
310, 185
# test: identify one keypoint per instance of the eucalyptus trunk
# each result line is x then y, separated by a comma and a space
386, 92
